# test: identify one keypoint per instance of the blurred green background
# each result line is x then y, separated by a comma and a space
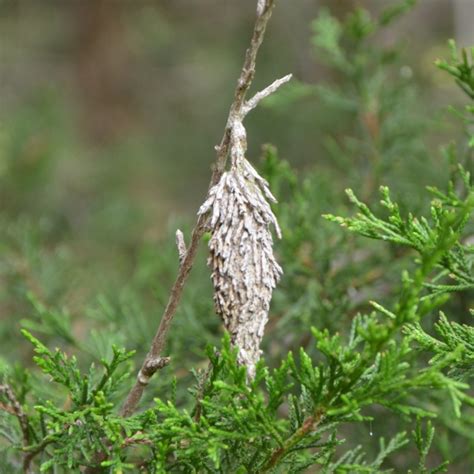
109, 113
110, 110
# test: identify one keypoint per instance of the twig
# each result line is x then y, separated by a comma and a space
309, 424
253, 102
7, 408
200, 392
181, 245
30, 454
237, 112
15, 409
150, 364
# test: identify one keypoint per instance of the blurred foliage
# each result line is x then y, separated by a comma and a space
357, 354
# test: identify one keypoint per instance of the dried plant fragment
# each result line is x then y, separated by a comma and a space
244, 269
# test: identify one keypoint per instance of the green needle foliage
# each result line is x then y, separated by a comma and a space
363, 372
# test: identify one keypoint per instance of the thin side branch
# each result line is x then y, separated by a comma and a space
158, 344
200, 392
35, 450
309, 424
14, 408
254, 101
264, 11
180, 244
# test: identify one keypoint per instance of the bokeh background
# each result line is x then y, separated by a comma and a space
109, 113
111, 108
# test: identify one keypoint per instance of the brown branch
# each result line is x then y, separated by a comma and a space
14, 408
7, 408
30, 454
309, 424
151, 363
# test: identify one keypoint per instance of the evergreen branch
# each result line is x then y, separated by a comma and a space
309, 424
237, 112
439, 243
35, 450
200, 392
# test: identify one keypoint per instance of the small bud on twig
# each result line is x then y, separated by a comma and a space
181, 246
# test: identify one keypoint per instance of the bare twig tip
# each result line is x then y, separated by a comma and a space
273, 87
180, 244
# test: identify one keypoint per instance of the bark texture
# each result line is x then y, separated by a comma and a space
244, 268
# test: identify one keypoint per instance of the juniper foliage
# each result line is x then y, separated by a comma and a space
337, 365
